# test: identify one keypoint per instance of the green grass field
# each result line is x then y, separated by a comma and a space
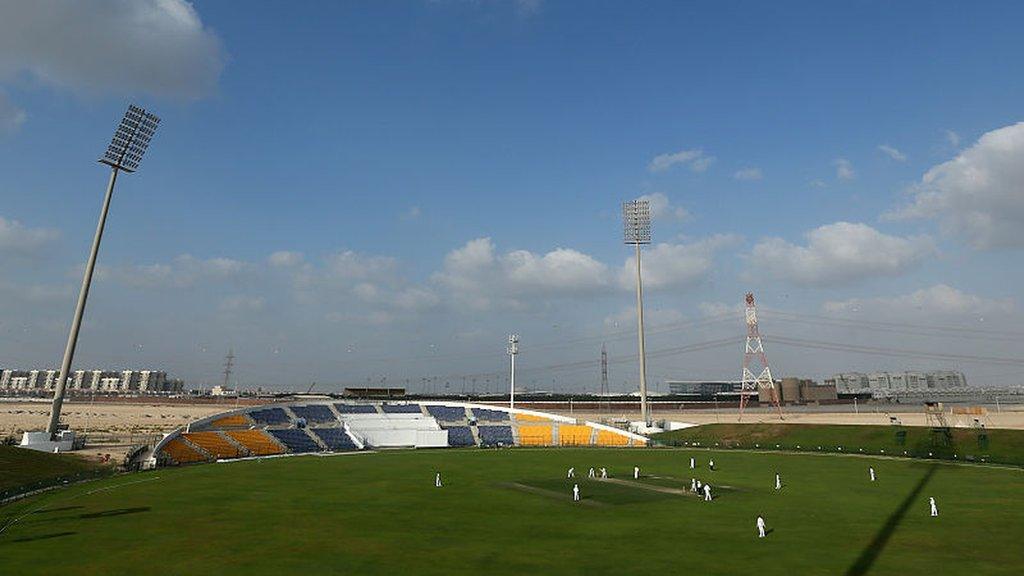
26, 469
963, 444
510, 512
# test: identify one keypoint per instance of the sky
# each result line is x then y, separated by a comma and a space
379, 192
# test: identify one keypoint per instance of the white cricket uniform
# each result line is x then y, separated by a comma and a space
693, 463
636, 472
571, 473
711, 464
591, 474
707, 492
934, 508
760, 527
693, 484
604, 472
575, 492
778, 482
871, 471
437, 480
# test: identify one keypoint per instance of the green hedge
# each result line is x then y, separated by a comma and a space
961, 444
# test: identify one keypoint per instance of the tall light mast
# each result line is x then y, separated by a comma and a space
636, 224
513, 350
123, 155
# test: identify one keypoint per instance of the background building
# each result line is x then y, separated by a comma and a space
890, 383
80, 381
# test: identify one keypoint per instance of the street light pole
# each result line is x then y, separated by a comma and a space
123, 154
513, 350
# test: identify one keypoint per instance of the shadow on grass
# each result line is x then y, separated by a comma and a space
44, 537
874, 549
115, 512
61, 509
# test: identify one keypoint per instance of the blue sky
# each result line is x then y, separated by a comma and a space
352, 190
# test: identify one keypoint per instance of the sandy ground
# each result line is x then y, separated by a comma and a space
103, 419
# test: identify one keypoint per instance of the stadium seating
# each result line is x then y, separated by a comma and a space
181, 452
490, 415
318, 413
447, 413
401, 408
256, 442
232, 421
495, 435
356, 408
269, 416
459, 436
334, 438
535, 435
573, 435
531, 418
606, 438
214, 443
296, 440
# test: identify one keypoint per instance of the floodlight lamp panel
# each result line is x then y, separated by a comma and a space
636, 222
131, 139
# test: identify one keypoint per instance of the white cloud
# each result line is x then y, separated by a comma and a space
978, 195
18, 239
844, 169
478, 275
709, 309
953, 138
285, 259
662, 207
243, 303
838, 253
675, 265
748, 174
936, 300
892, 153
159, 47
11, 117
653, 317
695, 159
182, 272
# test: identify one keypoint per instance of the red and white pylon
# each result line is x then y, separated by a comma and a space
754, 359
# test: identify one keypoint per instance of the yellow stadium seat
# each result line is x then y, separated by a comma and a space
574, 435
232, 421
214, 443
535, 435
181, 452
257, 442
607, 438
531, 418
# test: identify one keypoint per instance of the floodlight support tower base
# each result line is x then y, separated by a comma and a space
753, 355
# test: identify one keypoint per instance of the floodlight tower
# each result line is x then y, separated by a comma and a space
513, 350
636, 223
754, 355
123, 154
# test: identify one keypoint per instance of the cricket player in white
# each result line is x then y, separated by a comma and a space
871, 471
693, 484
604, 472
778, 481
575, 492
571, 473
591, 474
760, 527
931, 504
698, 486
636, 472
437, 480
707, 492
711, 464
693, 463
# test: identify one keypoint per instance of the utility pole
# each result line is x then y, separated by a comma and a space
229, 364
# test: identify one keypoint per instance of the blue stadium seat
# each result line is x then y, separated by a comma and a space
460, 436
314, 413
269, 416
490, 415
494, 435
335, 438
401, 408
296, 440
356, 408
447, 413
